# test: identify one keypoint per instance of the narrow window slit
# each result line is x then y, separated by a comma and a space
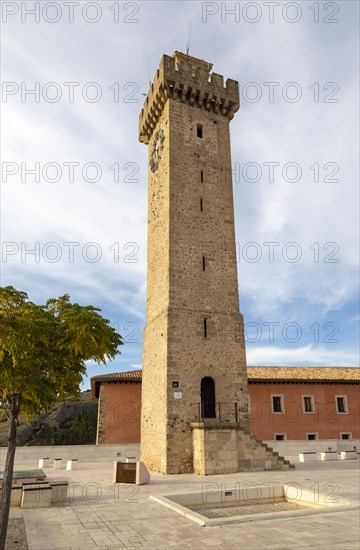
205, 328
201, 205
203, 262
202, 176
199, 131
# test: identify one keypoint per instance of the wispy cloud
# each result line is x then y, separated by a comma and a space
105, 132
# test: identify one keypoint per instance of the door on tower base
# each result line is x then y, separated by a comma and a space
208, 397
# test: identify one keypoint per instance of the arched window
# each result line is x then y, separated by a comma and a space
208, 397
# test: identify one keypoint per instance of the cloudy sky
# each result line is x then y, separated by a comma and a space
74, 177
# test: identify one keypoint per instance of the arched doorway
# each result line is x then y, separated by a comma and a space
208, 397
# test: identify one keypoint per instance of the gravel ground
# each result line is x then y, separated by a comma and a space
231, 510
16, 535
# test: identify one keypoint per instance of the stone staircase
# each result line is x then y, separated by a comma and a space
256, 456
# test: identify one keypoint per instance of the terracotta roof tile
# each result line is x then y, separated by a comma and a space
302, 373
127, 376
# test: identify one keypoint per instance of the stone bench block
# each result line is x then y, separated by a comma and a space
329, 455
72, 464
57, 463
16, 495
36, 495
44, 462
59, 491
307, 457
348, 455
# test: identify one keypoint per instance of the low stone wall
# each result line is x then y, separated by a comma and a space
86, 454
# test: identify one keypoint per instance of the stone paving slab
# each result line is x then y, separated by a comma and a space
101, 516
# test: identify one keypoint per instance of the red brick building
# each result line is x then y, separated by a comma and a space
304, 402
286, 403
119, 396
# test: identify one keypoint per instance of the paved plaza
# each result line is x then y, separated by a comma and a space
100, 515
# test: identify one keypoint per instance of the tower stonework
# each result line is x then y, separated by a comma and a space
194, 384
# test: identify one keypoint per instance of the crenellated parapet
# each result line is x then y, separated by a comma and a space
187, 79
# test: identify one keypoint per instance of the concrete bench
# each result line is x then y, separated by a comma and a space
34, 499
44, 462
348, 455
309, 456
15, 496
38, 483
36, 495
59, 491
72, 464
329, 455
57, 463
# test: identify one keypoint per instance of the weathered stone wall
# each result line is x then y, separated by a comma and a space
226, 449
153, 395
191, 226
28, 457
155, 349
215, 450
189, 80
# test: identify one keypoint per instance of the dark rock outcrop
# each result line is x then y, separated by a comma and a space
60, 424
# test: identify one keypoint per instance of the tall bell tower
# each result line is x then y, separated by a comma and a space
194, 383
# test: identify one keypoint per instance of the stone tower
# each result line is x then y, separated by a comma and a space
194, 381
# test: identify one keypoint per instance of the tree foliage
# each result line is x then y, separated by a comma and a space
43, 355
79, 430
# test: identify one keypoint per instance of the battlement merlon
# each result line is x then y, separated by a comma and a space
187, 79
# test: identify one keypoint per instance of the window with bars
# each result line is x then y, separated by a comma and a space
308, 403
341, 404
277, 403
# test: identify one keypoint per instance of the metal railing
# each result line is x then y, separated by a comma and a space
218, 411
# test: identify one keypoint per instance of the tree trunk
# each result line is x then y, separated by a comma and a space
8, 473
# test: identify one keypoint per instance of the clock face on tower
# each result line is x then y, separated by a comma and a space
157, 150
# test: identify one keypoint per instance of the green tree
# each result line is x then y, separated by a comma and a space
43, 351
78, 430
